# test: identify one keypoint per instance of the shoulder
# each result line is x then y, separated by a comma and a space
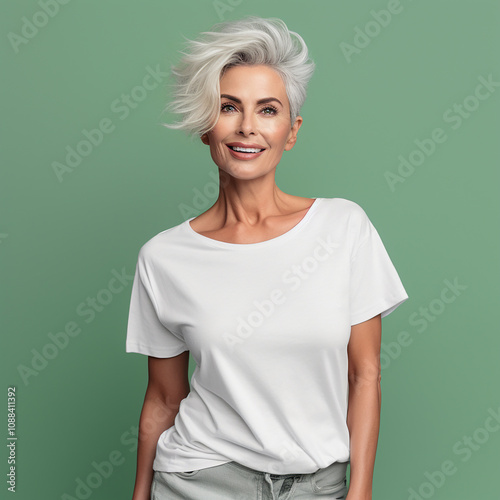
347, 219
349, 210
159, 244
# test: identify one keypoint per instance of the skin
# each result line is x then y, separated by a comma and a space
168, 385
251, 208
363, 411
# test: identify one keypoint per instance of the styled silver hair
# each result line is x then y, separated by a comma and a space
250, 41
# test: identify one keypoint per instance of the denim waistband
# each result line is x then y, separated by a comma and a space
337, 469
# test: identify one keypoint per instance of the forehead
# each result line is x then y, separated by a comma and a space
253, 79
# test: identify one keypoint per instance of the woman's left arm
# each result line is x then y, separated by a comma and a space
363, 413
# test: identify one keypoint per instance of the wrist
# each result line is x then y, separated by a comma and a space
355, 496
359, 493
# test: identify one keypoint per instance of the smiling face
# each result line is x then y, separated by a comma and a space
254, 113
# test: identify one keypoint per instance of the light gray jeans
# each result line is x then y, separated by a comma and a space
234, 481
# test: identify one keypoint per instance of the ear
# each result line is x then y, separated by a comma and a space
204, 139
292, 136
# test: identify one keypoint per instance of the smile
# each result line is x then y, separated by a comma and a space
245, 150
240, 153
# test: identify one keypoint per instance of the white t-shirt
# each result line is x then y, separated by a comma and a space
268, 325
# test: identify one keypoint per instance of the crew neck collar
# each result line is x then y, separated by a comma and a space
266, 243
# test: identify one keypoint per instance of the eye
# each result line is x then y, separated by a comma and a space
270, 110
226, 106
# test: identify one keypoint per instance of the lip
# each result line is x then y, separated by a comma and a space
243, 145
238, 155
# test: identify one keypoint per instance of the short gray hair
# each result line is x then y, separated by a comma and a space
249, 41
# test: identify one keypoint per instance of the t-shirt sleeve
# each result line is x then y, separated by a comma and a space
375, 286
146, 334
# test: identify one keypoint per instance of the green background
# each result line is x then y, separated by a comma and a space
60, 240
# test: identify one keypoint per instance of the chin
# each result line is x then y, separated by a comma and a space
245, 172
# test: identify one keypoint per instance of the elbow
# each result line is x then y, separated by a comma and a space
370, 373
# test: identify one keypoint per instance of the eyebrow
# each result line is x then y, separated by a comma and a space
260, 101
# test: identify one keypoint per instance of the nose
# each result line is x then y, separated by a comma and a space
247, 124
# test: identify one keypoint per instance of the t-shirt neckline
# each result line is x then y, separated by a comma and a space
277, 239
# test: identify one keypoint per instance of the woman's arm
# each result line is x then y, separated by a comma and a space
363, 413
168, 385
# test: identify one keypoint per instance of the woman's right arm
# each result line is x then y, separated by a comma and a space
168, 385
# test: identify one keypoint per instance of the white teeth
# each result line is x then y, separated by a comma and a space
246, 150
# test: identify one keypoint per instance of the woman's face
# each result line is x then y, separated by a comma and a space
245, 119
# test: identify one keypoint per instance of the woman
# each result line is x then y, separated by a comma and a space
279, 299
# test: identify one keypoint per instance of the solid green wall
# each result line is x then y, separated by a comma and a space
62, 239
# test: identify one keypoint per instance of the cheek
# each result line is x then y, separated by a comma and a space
279, 133
219, 151
221, 148
279, 125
